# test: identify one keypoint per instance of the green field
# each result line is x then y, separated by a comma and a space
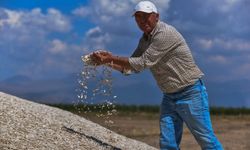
147, 109
141, 122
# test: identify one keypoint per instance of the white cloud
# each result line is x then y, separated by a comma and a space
114, 22
33, 22
229, 44
222, 6
56, 21
163, 6
57, 46
227, 5
12, 18
242, 71
109, 9
115, 16
25, 37
205, 43
113, 7
52, 20
81, 11
17, 26
93, 32
218, 59
232, 44
95, 38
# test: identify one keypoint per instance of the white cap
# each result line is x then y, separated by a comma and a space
145, 6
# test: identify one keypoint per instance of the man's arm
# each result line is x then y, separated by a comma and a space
118, 63
115, 67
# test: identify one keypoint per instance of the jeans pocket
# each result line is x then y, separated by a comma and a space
199, 101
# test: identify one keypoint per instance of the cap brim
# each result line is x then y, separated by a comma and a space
142, 11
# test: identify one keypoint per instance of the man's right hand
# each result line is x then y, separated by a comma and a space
101, 57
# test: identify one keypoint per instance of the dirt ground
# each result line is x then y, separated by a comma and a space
232, 131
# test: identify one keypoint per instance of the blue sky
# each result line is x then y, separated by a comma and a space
41, 41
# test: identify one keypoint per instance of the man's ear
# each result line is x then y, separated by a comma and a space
157, 17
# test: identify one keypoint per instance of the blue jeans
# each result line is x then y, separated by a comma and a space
190, 105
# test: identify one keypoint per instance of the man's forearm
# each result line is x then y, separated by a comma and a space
122, 62
115, 67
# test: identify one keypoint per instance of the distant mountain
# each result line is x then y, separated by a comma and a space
18, 79
134, 89
61, 90
129, 90
234, 93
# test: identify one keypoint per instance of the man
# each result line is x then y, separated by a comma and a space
164, 51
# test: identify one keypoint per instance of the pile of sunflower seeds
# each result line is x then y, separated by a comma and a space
29, 125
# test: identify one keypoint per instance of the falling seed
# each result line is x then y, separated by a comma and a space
114, 111
103, 88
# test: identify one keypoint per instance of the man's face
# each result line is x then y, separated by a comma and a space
146, 21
